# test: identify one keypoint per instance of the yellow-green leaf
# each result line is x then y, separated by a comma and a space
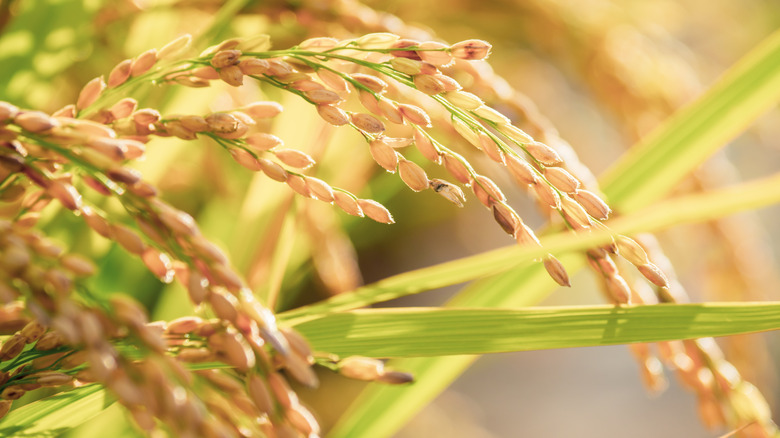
410, 332
657, 164
54, 415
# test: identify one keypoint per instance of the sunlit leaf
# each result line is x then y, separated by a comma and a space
410, 332
51, 416
656, 165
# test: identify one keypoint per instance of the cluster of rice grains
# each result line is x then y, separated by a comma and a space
725, 399
63, 334
728, 401
611, 70
393, 79
389, 90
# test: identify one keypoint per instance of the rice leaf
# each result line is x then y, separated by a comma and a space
653, 167
51, 416
411, 332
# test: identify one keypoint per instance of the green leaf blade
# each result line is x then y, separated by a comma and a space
674, 150
414, 332
52, 416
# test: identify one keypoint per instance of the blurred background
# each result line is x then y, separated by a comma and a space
601, 74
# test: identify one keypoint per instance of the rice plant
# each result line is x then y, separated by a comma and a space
188, 194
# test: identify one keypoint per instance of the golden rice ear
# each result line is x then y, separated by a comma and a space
456, 168
407, 66
506, 218
320, 189
370, 82
448, 191
361, 368
232, 75
368, 123
90, 93
654, 274
333, 115
348, 203
556, 270
263, 109
383, 154
429, 84
334, 80
543, 153
35, 121
435, 53
143, 62
225, 58
593, 204
390, 111
375, 211
415, 115
413, 175
298, 184
561, 179
175, 47
120, 73
294, 158
426, 146
471, 50
254, 66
